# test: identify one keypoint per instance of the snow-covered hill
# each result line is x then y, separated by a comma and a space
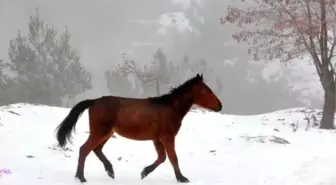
212, 149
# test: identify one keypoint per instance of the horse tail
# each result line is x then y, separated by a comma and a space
63, 131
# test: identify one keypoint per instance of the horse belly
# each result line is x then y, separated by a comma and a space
136, 131
137, 123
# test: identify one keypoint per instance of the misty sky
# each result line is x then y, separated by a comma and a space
98, 28
102, 30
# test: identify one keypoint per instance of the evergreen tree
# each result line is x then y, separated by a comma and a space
120, 85
48, 68
5, 83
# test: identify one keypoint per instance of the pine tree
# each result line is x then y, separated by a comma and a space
48, 68
120, 85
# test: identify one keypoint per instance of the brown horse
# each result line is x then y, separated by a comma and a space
155, 118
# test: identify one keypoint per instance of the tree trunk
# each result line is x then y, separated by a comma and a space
157, 86
327, 121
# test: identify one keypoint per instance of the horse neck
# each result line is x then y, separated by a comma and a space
182, 104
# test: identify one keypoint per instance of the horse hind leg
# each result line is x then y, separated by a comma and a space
169, 145
107, 164
91, 143
160, 159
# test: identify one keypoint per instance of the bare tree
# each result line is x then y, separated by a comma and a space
285, 30
152, 75
308, 116
295, 126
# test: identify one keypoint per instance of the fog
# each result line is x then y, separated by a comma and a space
102, 30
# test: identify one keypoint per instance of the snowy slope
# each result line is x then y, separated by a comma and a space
212, 149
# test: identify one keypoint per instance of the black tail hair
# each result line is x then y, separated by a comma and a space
63, 130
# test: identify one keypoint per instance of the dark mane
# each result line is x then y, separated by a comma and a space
175, 91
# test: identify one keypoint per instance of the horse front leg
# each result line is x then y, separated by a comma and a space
169, 145
161, 153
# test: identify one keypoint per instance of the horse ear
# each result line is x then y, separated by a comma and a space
200, 76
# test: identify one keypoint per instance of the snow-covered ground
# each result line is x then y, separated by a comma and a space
212, 148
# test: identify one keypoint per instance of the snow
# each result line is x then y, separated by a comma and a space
212, 149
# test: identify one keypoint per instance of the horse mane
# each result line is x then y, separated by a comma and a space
175, 91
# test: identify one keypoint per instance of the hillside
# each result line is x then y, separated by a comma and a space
212, 149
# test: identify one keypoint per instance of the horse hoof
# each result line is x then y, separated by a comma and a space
111, 174
143, 174
183, 179
81, 179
